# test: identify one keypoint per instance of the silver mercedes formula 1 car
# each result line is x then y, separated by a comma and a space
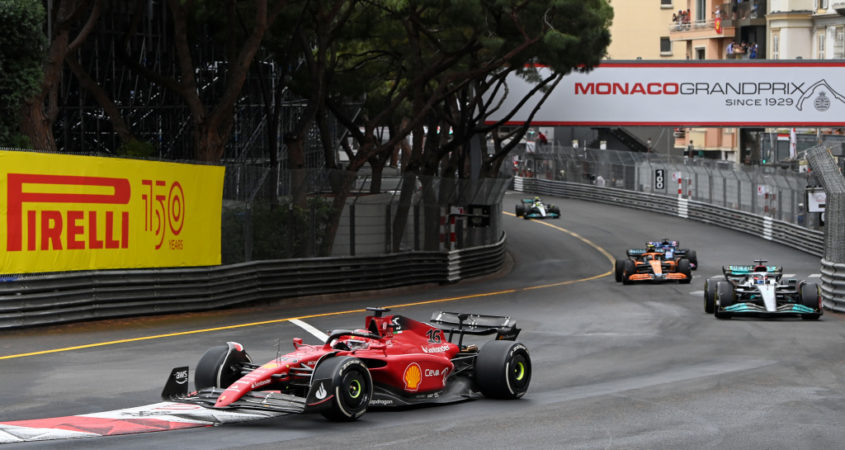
760, 290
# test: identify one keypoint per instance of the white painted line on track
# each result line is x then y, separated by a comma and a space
815, 275
315, 332
696, 293
788, 275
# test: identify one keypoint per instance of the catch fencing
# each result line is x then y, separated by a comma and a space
762, 190
272, 214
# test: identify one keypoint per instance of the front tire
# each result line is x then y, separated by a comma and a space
520, 210
628, 269
684, 268
693, 259
618, 266
351, 386
503, 369
725, 296
710, 296
220, 366
811, 299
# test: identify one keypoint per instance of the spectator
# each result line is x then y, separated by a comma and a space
542, 138
753, 52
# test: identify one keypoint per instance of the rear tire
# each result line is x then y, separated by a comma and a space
684, 268
520, 210
220, 366
503, 369
555, 210
351, 385
810, 299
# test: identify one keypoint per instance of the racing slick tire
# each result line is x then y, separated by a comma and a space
685, 268
220, 366
555, 210
809, 297
628, 268
503, 369
726, 296
618, 266
710, 295
520, 210
693, 259
351, 388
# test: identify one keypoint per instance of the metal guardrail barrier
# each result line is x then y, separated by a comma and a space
785, 233
833, 261
76, 296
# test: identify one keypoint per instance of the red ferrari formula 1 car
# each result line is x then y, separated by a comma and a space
393, 361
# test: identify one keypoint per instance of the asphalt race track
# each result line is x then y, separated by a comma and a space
619, 367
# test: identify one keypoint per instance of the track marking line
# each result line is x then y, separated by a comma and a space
310, 328
815, 275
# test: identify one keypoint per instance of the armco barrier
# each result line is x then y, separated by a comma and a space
784, 233
75, 296
833, 286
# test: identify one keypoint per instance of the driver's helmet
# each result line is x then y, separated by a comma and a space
759, 279
536, 199
650, 247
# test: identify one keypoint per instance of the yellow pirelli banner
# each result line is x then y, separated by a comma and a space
63, 213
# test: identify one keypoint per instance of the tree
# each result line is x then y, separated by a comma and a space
211, 112
572, 34
72, 22
21, 46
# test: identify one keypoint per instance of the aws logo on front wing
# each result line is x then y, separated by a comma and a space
68, 212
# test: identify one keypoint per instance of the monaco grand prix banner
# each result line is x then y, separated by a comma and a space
63, 213
759, 94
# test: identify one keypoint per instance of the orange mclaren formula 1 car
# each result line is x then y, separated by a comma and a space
651, 264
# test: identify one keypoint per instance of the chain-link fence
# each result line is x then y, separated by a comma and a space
763, 190
279, 214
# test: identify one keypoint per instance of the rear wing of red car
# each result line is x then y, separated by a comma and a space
475, 324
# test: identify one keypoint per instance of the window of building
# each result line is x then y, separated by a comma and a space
775, 44
700, 9
699, 53
821, 4
665, 46
820, 43
839, 42
666, 4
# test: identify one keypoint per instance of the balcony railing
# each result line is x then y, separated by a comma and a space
695, 25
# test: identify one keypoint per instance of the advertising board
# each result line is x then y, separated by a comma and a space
686, 94
64, 213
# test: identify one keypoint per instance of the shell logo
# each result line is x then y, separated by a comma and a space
412, 377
